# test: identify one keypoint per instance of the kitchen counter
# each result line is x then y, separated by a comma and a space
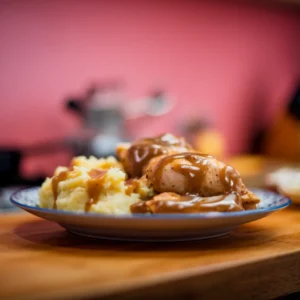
40, 260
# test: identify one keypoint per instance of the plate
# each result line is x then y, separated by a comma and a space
147, 227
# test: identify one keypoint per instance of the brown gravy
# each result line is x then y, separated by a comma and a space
139, 208
94, 186
190, 204
55, 181
230, 178
196, 204
132, 186
194, 172
141, 152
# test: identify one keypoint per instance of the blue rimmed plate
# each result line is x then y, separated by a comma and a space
156, 227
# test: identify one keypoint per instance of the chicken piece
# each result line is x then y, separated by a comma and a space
249, 200
193, 173
137, 155
197, 174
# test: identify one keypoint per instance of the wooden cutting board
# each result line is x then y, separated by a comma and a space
39, 260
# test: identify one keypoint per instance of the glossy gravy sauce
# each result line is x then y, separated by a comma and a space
132, 186
230, 178
191, 204
94, 186
139, 208
196, 204
141, 152
55, 182
194, 173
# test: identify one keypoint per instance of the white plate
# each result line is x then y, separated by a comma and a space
147, 227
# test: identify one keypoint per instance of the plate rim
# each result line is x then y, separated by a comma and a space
207, 215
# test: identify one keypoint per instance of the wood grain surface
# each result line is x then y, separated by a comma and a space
40, 260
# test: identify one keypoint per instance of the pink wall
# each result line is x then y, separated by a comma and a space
216, 58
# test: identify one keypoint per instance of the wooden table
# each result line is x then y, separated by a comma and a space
38, 259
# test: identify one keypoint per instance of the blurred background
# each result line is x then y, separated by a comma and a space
77, 77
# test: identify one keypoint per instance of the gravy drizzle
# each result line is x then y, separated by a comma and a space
141, 152
196, 204
94, 186
139, 208
190, 204
132, 186
194, 172
55, 182
230, 178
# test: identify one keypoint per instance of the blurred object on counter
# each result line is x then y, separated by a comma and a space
285, 181
102, 119
255, 169
252, 168
5, 205
9, 166
283, 139
156, 104
104, 110
258, 125
248, 165
11, 160
204, 137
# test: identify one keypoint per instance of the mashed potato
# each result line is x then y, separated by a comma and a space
94, 163
73, 188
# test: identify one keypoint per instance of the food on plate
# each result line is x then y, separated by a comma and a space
163, 174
